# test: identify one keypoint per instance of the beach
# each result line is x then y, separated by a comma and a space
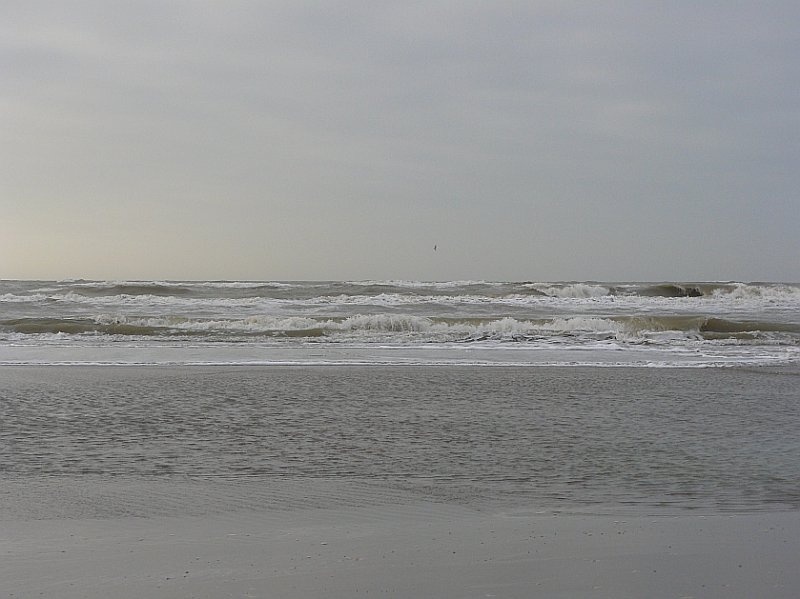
404, 550
427, 300
517, 482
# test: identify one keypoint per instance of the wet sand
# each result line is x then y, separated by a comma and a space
366, 544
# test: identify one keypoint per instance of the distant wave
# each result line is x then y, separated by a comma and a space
410, 289
672, 290
155, 288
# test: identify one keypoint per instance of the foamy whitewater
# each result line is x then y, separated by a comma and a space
663, 324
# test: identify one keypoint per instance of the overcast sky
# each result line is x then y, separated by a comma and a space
537, 140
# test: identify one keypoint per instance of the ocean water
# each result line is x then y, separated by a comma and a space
399, 322
135, 398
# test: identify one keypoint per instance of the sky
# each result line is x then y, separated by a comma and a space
295, 140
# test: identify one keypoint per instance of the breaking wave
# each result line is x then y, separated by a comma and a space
405, 327
570, 290
706, 322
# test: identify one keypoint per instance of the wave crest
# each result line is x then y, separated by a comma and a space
570, 290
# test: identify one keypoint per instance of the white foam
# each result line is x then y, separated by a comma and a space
369, 355
12, 298
384, 322
774, 292
581, 323
421, 284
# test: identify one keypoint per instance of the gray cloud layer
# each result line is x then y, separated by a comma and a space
529, 140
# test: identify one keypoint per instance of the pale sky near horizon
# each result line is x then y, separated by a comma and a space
538, 140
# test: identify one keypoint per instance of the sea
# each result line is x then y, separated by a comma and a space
147, 397
664, 324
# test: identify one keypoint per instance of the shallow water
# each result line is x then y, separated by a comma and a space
549, 437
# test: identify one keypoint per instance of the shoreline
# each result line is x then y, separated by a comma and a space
380, 355
790, 367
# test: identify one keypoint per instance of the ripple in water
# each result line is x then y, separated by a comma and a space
685, 438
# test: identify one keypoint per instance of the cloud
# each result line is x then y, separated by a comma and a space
301, 137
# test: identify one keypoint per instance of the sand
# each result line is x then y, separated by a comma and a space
366, 544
